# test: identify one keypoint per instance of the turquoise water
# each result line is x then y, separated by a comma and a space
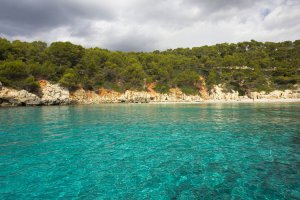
143, 151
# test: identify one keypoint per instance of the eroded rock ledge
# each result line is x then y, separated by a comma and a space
53, 94
12, 97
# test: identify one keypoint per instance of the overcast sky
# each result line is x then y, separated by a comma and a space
147, 25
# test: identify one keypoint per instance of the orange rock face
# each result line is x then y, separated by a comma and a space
201, 85
150, 89
105, 92
43, 83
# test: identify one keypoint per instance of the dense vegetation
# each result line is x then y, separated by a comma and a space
245, 66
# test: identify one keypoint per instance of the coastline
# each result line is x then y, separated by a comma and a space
232, 101
258, 101
54, 94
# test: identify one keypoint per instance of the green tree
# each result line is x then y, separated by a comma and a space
211, 79
70, 79
16, 74
65, 53
5, 48
133, 77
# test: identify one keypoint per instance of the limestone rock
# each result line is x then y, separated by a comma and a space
53, 94
135, 97
175, 95
109, 96
276, 94
82, 96
12, 97
217, 93
130, 96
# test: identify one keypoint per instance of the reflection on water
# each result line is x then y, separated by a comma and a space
130, 151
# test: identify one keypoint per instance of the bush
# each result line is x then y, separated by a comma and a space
189, 90
70, 79
31, 85
162, 88
15, 74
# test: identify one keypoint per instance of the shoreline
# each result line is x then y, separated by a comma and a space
232, 101
57, 95
258, 101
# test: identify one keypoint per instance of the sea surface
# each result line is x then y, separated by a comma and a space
147, 151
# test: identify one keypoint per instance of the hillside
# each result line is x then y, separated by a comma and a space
244, 67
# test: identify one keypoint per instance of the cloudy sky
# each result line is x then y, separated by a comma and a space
146, 25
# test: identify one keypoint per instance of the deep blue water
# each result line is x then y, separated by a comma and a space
120, 151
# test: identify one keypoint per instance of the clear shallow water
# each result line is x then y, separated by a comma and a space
229, 151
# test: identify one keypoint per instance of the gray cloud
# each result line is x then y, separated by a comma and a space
131, 43
30, 16
142, 25
215, 5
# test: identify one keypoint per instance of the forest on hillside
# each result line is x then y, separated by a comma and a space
245, 66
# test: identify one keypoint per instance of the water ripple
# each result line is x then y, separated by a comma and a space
227, 151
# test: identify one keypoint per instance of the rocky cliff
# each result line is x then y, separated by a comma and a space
108, 96
218, 94
12, 97
53, 94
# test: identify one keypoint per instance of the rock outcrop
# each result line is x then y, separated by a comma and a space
176, 95
53, 94
129, 96
276, 94
135, 97
12, 97
217, 93
82, 96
